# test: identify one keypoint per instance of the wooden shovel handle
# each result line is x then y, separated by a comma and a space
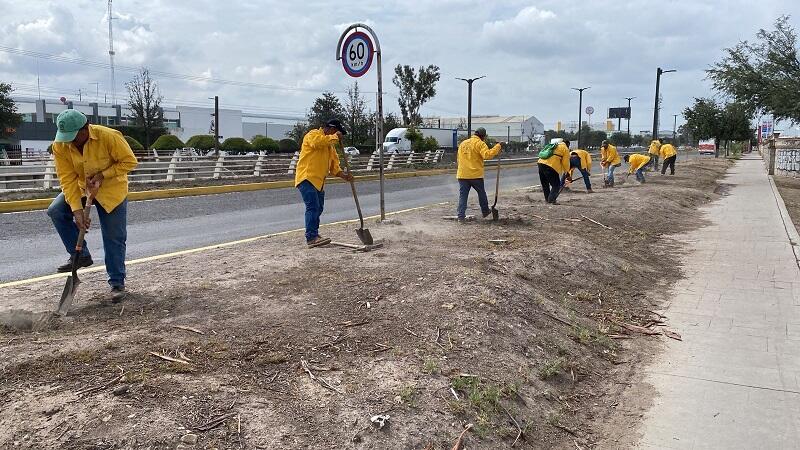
82, 233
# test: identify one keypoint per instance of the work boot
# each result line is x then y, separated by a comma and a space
487, 214
589, 191
318, 241
83, 261
118, 294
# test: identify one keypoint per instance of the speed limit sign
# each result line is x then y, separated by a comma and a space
357, 54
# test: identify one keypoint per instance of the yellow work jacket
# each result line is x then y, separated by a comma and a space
318, 158
105, 151
471, 154
609, 156
559, 161
637, 161
668, 150
586, 159
654, 147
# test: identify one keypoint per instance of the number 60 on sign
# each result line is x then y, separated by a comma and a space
357, 53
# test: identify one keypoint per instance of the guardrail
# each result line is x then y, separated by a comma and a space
21, 174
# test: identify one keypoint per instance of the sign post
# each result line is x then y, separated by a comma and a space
355, 49
589, 112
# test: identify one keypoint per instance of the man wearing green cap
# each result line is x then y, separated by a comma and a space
96, 159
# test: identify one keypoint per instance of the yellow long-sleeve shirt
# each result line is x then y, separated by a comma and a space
609, 156
668, 150
654, 147
105, 151
586, 159
637, 161
318, 158
559, 161
471, 154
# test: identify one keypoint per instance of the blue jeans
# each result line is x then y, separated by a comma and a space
463, 193
113, 226
640, 174
315, 201
610, 173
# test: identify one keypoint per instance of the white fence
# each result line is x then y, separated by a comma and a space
39, 173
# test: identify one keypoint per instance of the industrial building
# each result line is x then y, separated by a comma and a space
518, 128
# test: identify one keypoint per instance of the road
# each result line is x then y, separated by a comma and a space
32, 248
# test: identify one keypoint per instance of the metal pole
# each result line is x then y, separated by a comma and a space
674, 128
655, 107
629, 110
469, 109
379, 136
216, 124
580, 112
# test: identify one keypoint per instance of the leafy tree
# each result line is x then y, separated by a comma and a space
763, 75
288, 146
144, 101
9, 119
265, 144
415, 88
236, 145
168, 142
201, 142
298, 131
324, 109
621, 139
704, 120
134, 144
356, 117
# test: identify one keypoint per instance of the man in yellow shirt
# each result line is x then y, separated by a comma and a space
669, 154
581, 160
655, 146
609, 160
471, 154
96, 159
318, 159
638, 163
551, 169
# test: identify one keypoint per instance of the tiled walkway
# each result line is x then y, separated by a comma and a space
734, 381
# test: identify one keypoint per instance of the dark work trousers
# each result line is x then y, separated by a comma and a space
551, 184
653, 163
669, 162
464, 185
575, 163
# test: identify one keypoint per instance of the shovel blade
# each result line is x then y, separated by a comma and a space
68, 295
495, 214
365, 236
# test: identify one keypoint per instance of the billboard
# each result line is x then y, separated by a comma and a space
619, 113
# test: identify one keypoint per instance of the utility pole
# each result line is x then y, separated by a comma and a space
580, 111
216, 124
111, 54
629, 113
469, 101
96, 91
659, 72
80, 95
674, 128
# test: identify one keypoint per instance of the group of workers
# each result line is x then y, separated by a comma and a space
93, 161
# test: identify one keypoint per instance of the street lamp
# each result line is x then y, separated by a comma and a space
629, 113
469, 101
675, 128
580, 112
216, 124
659, 72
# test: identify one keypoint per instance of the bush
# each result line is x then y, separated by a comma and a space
133, 143
167, 142
288, 146
265, 144
138, 132
236, 145
201, 142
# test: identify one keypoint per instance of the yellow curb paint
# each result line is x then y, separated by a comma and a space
205, 248
43, 203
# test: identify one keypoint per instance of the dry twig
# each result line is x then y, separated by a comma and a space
169, 358
460, 440
323, 383
596, 222
183, 327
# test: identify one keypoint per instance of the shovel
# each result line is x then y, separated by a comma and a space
72, 280
363, 233
495, 212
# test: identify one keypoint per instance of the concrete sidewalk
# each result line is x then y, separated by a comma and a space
734, 381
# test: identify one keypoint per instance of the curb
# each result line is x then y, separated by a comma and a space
43, 203
788, 224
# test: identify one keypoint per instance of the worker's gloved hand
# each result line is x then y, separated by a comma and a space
82, 222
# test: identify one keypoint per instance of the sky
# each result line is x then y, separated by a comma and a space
532, 52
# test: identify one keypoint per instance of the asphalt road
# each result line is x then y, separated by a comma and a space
31, 246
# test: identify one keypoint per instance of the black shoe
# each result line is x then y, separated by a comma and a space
486, 214
118, 294
83, 261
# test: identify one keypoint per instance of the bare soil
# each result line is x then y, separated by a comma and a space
789, 189
438, 329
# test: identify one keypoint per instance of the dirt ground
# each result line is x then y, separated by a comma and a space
276, 346
789, 189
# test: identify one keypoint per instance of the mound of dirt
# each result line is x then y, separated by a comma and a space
526, 328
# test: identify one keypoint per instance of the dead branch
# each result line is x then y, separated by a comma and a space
516, 424
635, 328
596, 222
557, 319
323, 383
98, 388
169, 358
215, 422
460, 440
183, 327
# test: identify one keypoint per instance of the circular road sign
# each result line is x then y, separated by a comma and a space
357, 53
589, 110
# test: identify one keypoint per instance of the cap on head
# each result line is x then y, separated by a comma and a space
335, 123
604, 143
480, 132
69, 122
626, 157
566, 142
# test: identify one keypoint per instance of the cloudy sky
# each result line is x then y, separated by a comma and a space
532, 52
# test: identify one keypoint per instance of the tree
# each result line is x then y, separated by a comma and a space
288, 146
324, 109
356, 117
144, 101
264, 144
298, 131
415, 88
9, 119
236, 145
168, 142
764, 75
133, 143
707, 119
621, 139
201, 142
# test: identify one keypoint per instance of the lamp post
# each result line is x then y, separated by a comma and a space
675, 128
629, 113
659, 72
580, 111
216, 124
469, 101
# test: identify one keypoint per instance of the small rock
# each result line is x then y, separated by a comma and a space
107, 418
190, 439
121, 389
52, 410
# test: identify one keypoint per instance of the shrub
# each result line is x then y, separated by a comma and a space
236, 145
201, 142
167, 142
133, 143
288, 146
265, 144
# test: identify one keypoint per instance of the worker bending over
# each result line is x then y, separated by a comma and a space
609, 161
581, 160
638, 163
655, 146
669, 154
551, 169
